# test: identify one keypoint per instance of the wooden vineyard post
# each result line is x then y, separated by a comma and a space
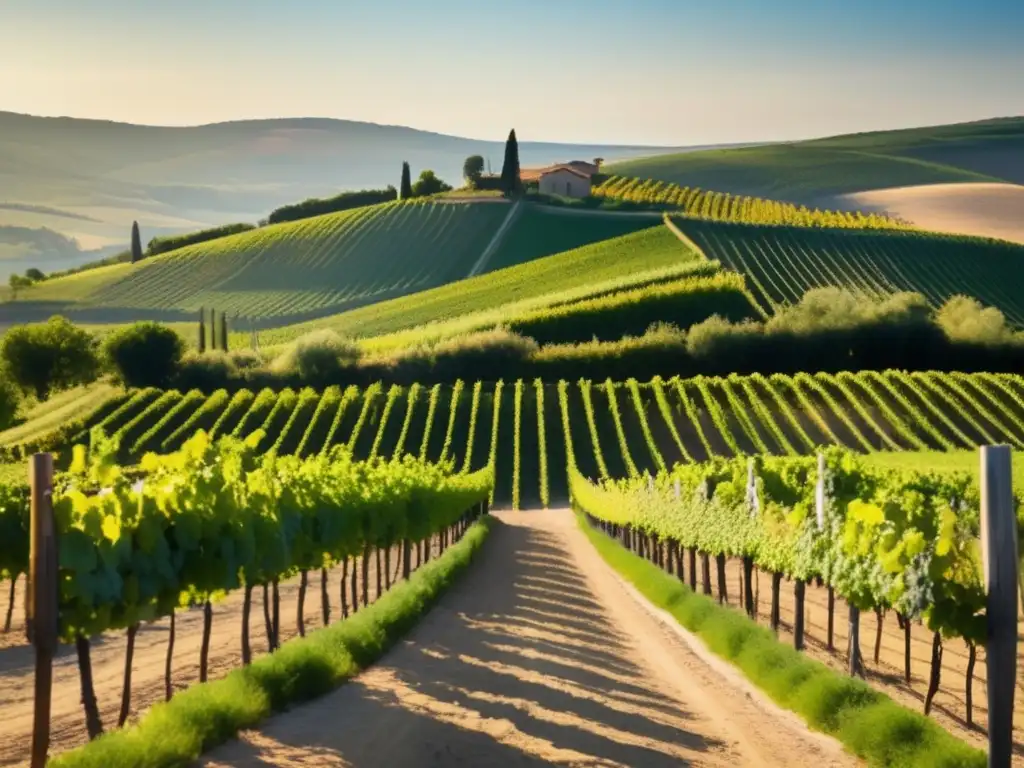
999, 554
41, 605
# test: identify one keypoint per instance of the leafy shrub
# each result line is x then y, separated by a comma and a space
429, 184
343, 202
319, 357
145, 354
10, 399
208, 372
43, 357
965, 319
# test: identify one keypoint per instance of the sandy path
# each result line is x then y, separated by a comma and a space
986, 210
538, 656
68, 721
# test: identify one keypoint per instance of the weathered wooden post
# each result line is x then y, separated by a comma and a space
41, 603
999, 554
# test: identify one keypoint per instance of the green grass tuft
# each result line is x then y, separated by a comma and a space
205, 715
866, 722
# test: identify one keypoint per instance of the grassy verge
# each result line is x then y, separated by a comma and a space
868, 723
195, 720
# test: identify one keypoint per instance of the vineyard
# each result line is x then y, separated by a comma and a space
541, 231
306, 268
615, 429
650, 255
723, 206
782, 263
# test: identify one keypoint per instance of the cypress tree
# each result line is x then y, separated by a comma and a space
136, 243
213, 330
224, 331
405, 191
510, 181
202, 330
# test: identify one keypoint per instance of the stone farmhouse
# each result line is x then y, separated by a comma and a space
571, 179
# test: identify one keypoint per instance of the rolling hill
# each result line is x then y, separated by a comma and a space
89, 179
817, 171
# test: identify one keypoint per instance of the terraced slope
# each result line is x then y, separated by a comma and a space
288, 272
649, 255
811, 171
612, 428
783, 263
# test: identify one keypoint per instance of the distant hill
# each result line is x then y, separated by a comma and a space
816, 172
89, 179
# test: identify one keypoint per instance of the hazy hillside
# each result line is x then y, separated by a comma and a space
814, 172
89, 179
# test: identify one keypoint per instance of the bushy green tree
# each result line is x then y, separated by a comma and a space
44, 357
473, 169
145, 354
136, 243
510, 180
405, 190
429, 184
34, 274
10, 399
17, 283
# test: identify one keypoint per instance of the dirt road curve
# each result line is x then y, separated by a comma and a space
538, 656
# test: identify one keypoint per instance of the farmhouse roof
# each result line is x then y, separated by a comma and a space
566, 168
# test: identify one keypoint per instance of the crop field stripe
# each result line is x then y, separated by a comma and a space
641, 413
256, 411
542, 445
741, 411
904, 430
435, 393
204, 416
128, 410
613, 405
954, 386
474, 408
941, 395
323, 413
167, 401
517, 400
985, 396
286, 403
178, 415
350, 395
393, 392
237, 407
847, 397
763, 414
917, 417
714, 409
563, 406
452, 412
658, 386
495, 419
808, 381
691, 413
1003, 386
588, 406
369, 396
306, 402
410, 407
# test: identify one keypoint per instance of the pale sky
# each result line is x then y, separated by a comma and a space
669, 72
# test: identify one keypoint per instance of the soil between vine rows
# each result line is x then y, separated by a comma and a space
68, 720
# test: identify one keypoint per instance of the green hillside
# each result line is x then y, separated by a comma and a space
783, 263
811, 171
541, 230
283, 273
653, 254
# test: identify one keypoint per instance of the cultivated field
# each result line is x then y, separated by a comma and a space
783, 263
617, 430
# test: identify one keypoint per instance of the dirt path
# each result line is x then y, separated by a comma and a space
539, 656
68, 720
